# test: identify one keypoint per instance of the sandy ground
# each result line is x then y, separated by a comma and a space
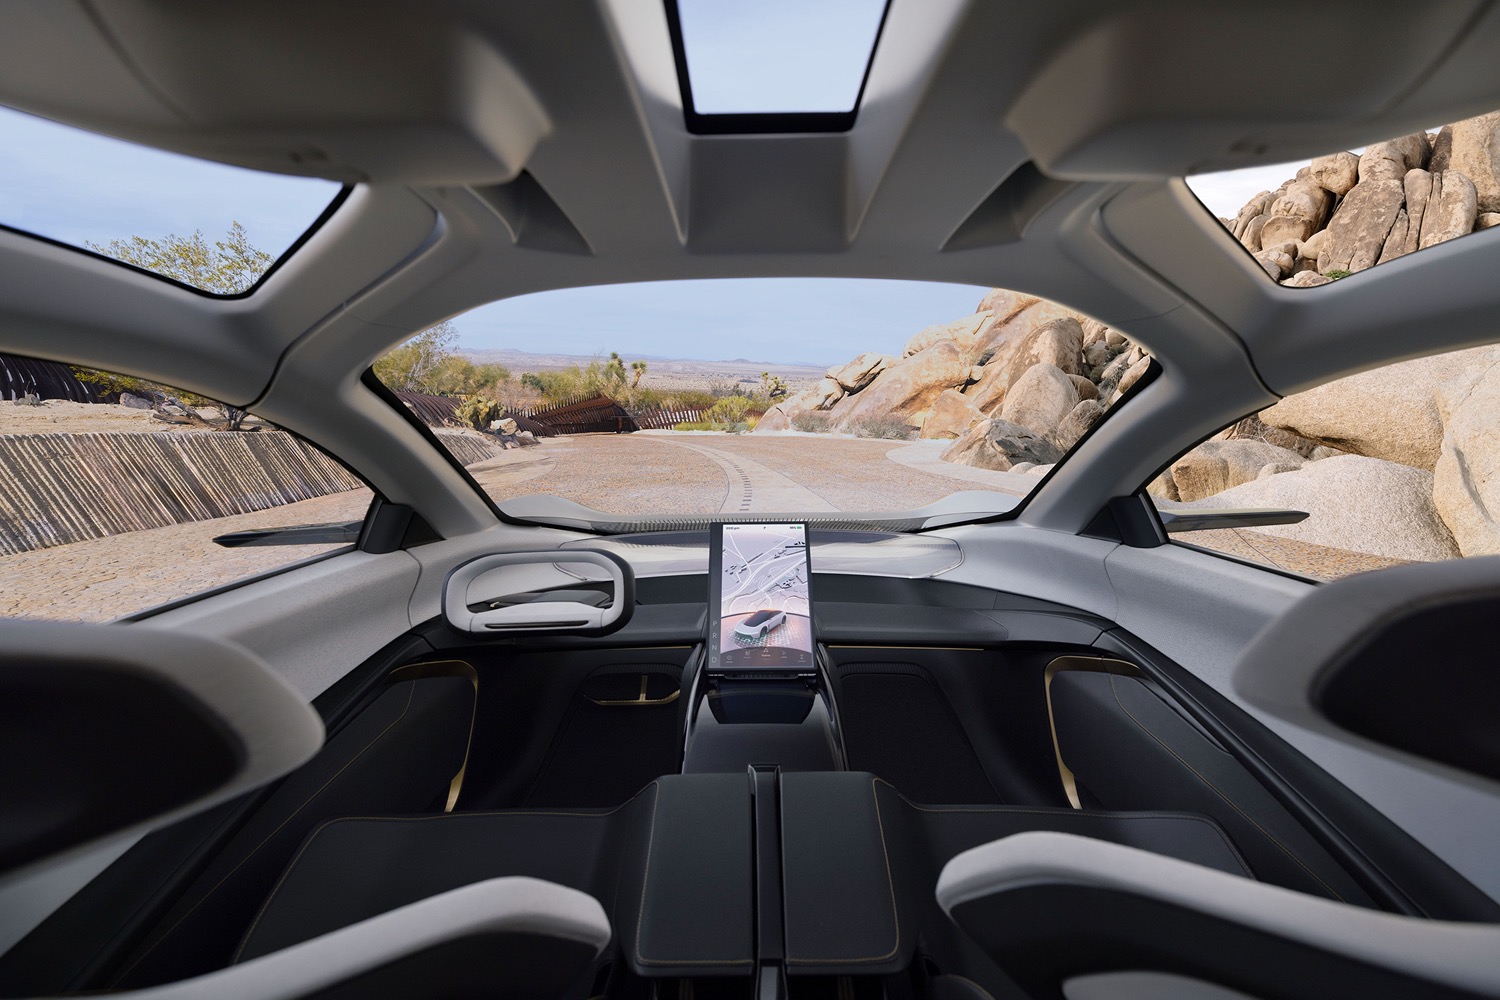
59, 416
103, 579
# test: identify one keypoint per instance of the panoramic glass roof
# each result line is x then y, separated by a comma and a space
215, 228
1309, 223
802, 62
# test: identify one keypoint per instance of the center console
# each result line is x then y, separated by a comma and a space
759, 694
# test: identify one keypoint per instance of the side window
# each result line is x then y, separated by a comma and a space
1395, 465
113, 490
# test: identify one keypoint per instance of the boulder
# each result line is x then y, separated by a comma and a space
1355, 503
1009, 331
1313, 244
1076, 424
1254, 207
1392, 159
1250, 238
1466, 481
1335, 173
1096, 355
1306, 279
1133, 374
1485, 220
860, 372
1357, 233
1094, 332
1389, 413
951, 416
1086, 389
1395, 244
964, 333
1004, 303
1450, 211
1215, 466
907, 389
1163, 487
1472, 147
1000, 445
1276, 263
826, 393
1039, 399
1058, 342
1300, 211
774, 419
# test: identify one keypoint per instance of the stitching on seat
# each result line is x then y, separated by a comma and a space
410, 694
264, 907
1085, 814
890, 883
1225, 796
640, 915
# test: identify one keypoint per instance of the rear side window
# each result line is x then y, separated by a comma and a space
114, 489
1395, 465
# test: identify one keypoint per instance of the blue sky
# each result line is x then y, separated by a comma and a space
777, 55
820, 321
77, 187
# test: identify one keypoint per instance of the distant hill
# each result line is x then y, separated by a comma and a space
660, 370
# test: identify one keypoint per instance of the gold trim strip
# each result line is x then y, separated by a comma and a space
447, 668
1098, 665
640, 699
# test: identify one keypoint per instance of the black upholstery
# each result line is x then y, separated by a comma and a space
398, 755
673, 864
1128, 749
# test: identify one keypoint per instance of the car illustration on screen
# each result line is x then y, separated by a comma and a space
760, 624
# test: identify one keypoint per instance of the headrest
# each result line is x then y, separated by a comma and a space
112, 728
1406, 659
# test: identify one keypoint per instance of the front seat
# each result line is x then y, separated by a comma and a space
1400, 663
114, 730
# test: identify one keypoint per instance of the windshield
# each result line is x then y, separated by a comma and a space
806, 396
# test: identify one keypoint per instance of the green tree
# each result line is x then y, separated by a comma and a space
639, 368
225, 267
416, 364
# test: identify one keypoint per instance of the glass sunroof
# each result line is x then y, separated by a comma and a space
1310, 223
777, 57
213, 227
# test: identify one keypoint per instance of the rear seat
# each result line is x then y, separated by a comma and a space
674, 867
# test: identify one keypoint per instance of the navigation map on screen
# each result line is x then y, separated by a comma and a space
764, 612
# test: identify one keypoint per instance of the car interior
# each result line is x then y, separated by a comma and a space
1035, 750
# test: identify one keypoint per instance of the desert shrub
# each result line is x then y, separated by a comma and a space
811, 421
697, 425
729, 410
1337, 273
883, 427
478, 412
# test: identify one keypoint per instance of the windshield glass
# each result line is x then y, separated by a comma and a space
764, 395
215, 228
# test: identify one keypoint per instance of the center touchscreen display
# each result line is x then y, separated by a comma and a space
761, 613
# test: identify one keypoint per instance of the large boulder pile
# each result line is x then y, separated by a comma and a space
1343, 213
1417, 445
1018, 382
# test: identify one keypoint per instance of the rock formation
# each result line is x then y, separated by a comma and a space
1020, 381
1343, 213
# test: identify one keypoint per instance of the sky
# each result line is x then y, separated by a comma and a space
820, 321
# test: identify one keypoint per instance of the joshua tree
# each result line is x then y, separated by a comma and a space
639, 367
